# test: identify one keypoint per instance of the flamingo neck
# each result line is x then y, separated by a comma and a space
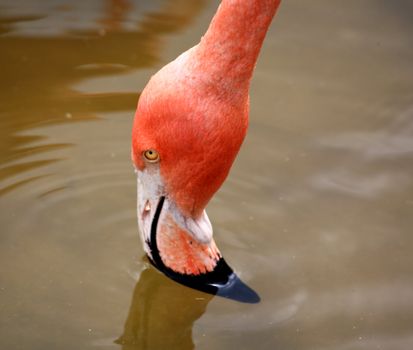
230, 47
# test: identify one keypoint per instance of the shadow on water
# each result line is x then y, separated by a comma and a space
162, 314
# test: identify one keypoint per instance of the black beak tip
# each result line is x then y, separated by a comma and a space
222, 281
237, 290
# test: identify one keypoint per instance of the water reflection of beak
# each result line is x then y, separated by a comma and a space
153, 323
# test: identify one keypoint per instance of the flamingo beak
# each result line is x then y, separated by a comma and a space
167, 232
181, 246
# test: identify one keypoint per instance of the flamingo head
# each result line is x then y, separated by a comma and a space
187, 131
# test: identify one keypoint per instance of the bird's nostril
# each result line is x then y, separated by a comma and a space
146, 209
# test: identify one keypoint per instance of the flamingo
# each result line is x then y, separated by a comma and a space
190, 122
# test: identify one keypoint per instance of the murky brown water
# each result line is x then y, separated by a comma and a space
317, 214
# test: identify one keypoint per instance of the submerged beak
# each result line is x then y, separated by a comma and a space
181, 246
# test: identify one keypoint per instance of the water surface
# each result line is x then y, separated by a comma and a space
316, 215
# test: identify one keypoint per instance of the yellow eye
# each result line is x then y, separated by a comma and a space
151, 155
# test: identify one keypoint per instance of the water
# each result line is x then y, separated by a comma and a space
316, 216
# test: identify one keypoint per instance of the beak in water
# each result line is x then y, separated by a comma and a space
182, 247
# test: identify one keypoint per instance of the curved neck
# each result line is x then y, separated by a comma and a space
231, 45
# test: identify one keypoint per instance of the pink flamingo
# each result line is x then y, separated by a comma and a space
189, 125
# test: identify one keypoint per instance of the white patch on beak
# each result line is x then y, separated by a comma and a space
150, 189
200, 228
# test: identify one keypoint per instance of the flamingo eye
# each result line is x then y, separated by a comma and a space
151, 155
